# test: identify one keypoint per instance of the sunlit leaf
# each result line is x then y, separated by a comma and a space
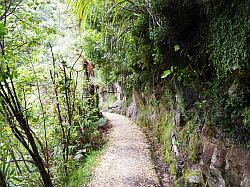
166, 73
176, 47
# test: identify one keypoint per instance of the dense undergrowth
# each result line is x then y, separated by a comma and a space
51, 129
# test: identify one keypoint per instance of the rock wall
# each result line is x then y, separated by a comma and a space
224, 164
209, 160
132, 110
195, 153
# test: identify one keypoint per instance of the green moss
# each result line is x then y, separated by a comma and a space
162, 128
228, 40
168, 99
229, 44
195, 148
183, 181
171, 160
166, 128
188, 173
189, 140
142, 119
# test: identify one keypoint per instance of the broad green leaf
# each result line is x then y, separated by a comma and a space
166, 73
176, 47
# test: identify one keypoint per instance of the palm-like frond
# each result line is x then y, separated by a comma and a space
117, 11
114, 18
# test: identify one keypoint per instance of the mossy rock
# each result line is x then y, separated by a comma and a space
189, 140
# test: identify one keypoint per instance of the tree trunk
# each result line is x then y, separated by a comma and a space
2, 180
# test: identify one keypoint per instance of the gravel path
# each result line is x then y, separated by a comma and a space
126, 161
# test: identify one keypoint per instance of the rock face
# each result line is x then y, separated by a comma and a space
117, 91
194, 179
177, 112
224, 165
219, 163
237, 167
116, 107
132, 109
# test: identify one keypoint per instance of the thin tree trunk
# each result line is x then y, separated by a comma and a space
46, 156
2, 180
28, 141
64, 135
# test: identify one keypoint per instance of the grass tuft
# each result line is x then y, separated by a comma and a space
82, 173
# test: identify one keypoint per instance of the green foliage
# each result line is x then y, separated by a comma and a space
190, 141
13, 164
111, 98
81, 172
229, 108
42, 77
246, 115
229, 44
166, 74
229, 32
166, 129
143, 119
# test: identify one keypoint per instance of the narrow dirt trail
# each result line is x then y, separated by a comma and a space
126, 161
